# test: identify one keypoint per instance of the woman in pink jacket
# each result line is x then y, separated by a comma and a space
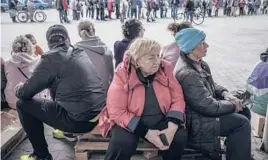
171, 52
144, 101
19, 67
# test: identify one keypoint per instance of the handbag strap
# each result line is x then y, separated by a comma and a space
22, 73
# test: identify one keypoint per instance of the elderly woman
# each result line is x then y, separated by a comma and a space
132, 29
144, 101
36, 47
19, 67
171, 52
211, 111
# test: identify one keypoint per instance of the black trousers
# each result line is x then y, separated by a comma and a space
133, 12
117, 11
236, 127
123, 144
33, 113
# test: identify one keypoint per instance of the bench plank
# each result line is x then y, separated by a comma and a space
102, 146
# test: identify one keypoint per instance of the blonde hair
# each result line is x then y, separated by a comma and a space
22, 44
141, 47
86, 29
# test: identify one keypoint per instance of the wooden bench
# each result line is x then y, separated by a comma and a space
93, 141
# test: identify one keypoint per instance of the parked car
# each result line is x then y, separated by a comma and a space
4, 5
38, 4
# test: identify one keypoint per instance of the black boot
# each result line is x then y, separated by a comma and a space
14, 19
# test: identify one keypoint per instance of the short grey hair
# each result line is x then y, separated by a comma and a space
22, 44
86, 29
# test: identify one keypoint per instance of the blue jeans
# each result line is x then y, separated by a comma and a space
174, 10
190, 15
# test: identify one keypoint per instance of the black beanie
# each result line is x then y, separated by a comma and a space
56, 34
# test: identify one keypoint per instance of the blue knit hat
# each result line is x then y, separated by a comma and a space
187, 39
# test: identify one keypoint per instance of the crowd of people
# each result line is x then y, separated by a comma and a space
153, 91
145, 9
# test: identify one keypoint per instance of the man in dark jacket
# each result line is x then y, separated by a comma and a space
77, 93
211, 111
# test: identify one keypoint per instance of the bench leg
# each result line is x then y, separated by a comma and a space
150, 154
81, 155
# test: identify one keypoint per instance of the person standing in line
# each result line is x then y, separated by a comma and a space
189, 7
234, 7
12, 6
123, 10
204, 7
265, 7
257, 5
110, 8
101, 9
150, 17
217, 6
117, 9
242, 4
133, 8
74, 10
89, 7
229, 7
31, 8
210, 8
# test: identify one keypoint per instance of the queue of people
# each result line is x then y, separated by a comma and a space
153, 91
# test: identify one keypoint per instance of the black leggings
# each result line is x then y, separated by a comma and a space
33, 113
236, 127
123, 144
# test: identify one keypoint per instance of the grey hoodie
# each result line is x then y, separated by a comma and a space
101, 57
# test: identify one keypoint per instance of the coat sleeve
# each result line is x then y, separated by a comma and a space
3, 75
177, 108
219, 90
199, 98
40, 80
117, 101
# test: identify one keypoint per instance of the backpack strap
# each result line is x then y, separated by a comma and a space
23, 73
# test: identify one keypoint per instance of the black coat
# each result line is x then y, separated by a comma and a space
204, 105
72, 80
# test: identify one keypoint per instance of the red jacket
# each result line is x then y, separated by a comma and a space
125, 97
65, 4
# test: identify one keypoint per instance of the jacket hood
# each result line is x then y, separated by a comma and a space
264, 57
94, 44
23, 60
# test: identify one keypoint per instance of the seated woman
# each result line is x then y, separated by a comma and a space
77, 93
19, 67
211, 111
97, 50
257, 85
132, 29
143, 101
171, 52
37, 49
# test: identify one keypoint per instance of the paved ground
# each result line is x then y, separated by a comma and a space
235, 46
